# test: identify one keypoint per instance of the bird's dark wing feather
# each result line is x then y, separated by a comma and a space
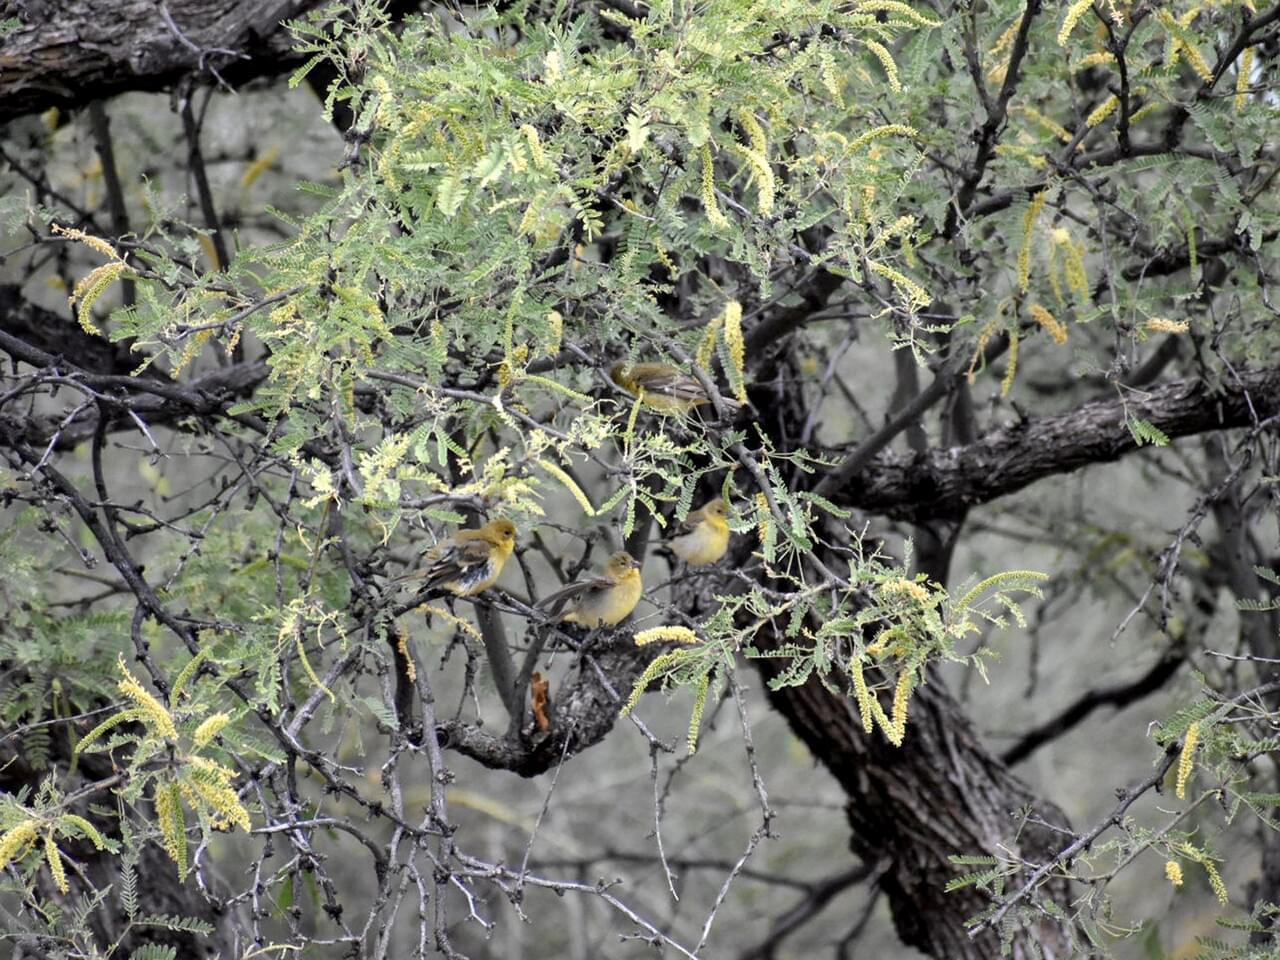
556, 601
465, 562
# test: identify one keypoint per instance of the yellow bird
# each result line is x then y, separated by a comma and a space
664, 388
705, 535
469, 562
604, 600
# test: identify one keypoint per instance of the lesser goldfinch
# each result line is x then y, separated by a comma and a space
468, 562
705, 535
604, 600
663, 387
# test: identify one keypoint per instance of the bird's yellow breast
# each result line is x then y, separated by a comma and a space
706, 543
609, 606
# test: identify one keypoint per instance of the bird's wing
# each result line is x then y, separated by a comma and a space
680, 386
671, 383
690, 523
581, 590
466, 562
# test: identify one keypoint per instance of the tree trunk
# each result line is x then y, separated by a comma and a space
911, 807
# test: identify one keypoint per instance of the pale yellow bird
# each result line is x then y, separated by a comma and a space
468, 562
664, 388
705, 535
604, 600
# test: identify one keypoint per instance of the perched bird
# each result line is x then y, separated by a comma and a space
704, 535
604, 600
468, 562
664, 388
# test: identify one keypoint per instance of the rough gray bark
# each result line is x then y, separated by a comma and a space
944, 481
911, 807
68, 53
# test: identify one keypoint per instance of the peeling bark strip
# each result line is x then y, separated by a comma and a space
70, 52
941, 483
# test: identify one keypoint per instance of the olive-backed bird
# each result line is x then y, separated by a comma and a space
604, 600
664, 388
468, 562
704, 535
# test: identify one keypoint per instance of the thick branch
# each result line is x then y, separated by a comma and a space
77, 51
944, 482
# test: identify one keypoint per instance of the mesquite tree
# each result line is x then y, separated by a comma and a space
911, 258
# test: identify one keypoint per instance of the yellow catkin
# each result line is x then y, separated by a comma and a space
210, 728
699, 707
895, 6
901, 585
1051, 324
714, 216
1104, 110
148, 704
1242, 78
1012, 370
15, 842
1143, 111
755, 132
984, 337
901, 700
535, 147
1073, 267
762, 176
876, 133
56, 867
1215, 881
87, 828
1028, 234
886, 61
1173, 871
234, 340
1006, 38
1185, 761
659, 666
402, 644
1055, 276
555, 332
915, 294
665, 258
762, 514
444, 613
893, 725
831, 78
93, 243
861, 693
224, 802
1164, 325
1093, 60
1048, 123
673, 634
569, 484
737, 347
260, 166
707, 347
1074, 13
89, 289
173, 829
1198, 62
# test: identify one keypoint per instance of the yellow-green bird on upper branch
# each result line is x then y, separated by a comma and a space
664, 388
605, 600
468, 562
704, 535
